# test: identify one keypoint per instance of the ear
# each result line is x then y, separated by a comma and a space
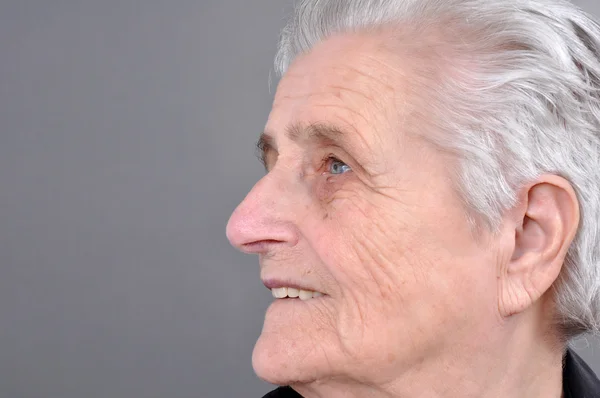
544, 223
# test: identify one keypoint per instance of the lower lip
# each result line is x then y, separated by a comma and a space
283, 312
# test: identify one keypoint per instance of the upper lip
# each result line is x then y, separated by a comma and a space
274, 283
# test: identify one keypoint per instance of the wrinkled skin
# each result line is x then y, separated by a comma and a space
382, 234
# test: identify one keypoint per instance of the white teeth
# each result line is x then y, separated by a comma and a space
283, 292
279, 292
305, 295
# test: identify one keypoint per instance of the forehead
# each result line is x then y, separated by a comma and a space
351, 80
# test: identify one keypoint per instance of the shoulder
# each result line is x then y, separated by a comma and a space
579, 381
283, 392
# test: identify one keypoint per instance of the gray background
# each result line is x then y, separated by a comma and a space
126, 139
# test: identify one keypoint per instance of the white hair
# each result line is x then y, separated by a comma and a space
526, 103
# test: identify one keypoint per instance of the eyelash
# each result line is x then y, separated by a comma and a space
324, 166
327, 160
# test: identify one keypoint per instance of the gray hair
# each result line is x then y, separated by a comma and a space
526, 103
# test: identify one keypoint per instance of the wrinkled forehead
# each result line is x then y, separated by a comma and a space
349, 80
357, 61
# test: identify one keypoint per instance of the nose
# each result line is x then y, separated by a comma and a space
265, 218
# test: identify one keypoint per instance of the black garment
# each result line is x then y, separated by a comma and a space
283, 392
579, 381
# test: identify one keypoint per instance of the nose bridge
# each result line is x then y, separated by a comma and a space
275, 194
269, 212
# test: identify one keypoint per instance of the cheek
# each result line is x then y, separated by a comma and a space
382, 248
381, 252
360, 243
400, 289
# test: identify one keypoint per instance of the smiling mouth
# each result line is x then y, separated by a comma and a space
290, 292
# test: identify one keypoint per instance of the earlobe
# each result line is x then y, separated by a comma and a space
547, 218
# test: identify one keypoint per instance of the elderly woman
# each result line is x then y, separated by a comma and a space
429, 223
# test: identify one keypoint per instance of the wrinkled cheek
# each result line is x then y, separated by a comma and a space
363, 246
382, 291
354, 323
371, 333
381, 248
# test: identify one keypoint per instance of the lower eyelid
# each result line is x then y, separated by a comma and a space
325, 189
328, 188
335, 179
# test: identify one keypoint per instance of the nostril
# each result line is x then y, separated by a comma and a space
260, 246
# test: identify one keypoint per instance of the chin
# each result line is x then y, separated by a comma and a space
283, 361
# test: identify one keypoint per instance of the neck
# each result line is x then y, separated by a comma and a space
519, 360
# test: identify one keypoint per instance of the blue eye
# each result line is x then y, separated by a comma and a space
337, 167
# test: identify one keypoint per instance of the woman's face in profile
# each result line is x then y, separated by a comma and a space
357, 209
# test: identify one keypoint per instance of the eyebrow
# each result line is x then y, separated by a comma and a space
322, 133
317, 132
